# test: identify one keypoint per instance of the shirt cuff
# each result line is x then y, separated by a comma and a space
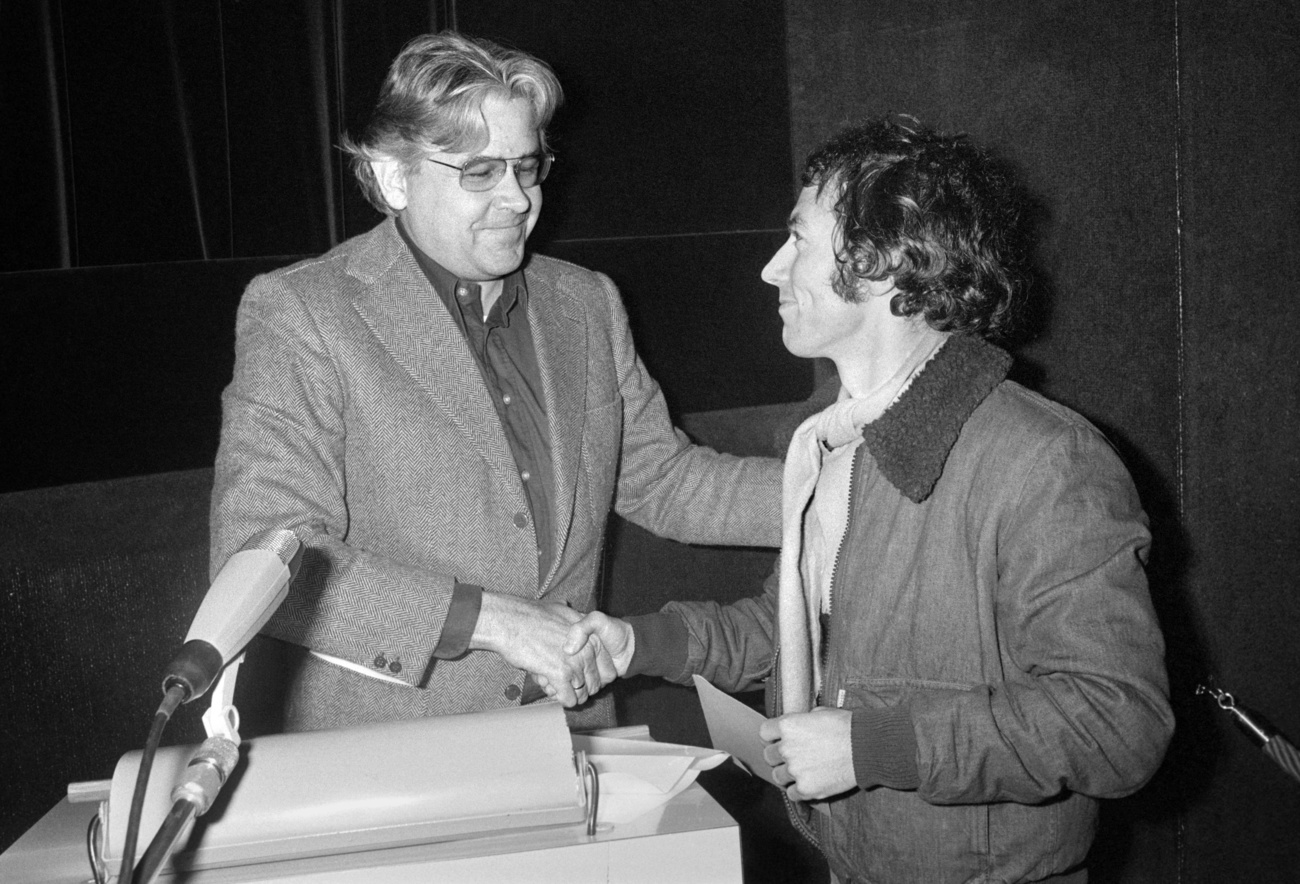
661, 646
884, 748
462, 617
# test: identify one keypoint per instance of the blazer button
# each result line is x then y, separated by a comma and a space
513, 692
381, 661
521, 521
395, 667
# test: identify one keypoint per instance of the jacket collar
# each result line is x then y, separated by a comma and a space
911, 441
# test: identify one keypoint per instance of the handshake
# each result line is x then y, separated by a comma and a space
570, 656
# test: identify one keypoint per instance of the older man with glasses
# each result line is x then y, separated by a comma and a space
446, 421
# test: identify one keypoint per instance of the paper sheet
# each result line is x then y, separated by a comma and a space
733, 728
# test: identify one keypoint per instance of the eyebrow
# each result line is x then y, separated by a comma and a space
536, 155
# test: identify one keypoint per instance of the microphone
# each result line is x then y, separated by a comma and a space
247, 590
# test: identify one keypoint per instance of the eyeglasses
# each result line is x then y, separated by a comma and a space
484, 173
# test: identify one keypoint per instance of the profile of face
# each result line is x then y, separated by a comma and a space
478, 236
817, 321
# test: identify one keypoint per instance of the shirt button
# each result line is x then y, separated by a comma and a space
506, 399
381, 661
521, 521
395, 667
513, 692
525, 475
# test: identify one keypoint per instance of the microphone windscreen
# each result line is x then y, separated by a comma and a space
246, 592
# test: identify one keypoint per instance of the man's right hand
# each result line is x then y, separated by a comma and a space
616, 637
531, 635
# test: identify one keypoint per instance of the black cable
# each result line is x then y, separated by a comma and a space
182, 812
172, 698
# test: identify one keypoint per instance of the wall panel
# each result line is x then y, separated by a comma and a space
116, 371
1241, 220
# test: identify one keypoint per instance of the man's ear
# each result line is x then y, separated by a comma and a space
877, 288
391, 178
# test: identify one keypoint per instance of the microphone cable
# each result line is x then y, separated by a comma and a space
172, 698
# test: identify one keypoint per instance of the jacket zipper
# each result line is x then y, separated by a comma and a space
792, 810
839, 550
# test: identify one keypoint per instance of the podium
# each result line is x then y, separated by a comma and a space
691, 838
499, 795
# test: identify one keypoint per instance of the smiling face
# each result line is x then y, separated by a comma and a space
817, 321
476, 236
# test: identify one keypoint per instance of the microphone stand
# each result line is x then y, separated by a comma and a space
246, 591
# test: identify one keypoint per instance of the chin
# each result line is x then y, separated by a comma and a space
791, 343
503, 265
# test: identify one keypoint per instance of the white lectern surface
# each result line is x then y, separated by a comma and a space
689, 839
368, 787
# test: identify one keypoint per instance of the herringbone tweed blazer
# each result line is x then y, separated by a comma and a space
357, 416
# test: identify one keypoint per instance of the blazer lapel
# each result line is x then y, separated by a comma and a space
413, 325
560, 336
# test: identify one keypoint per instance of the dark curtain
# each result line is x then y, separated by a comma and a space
162, 131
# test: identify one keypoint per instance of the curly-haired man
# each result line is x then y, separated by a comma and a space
968, 655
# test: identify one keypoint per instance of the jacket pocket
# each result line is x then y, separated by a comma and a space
886, 835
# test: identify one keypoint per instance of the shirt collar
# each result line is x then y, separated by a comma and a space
911, 441
449, 286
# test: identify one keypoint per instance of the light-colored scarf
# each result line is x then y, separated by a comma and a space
798, 606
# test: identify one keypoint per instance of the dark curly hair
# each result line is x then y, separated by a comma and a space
933, 211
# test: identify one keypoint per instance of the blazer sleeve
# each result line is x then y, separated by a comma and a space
281, 463
672, 487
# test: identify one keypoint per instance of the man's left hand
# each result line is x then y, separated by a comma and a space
810, 752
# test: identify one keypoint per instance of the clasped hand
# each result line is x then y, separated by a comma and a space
543, 638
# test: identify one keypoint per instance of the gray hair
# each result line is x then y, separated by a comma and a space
432, 100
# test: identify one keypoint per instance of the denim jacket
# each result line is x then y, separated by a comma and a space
991, 586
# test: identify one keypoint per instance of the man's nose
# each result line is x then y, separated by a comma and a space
777, 268
509, 194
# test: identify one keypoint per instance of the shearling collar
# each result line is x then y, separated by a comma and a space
911, 440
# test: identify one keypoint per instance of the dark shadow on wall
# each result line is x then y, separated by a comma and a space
1196, 748
1025, 236
1033, 315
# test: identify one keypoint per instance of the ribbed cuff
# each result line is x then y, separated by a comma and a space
462, 617
884, 748
661, 645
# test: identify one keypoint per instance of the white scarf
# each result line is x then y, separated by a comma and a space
798, 612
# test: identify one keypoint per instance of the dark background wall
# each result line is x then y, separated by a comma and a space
162, 153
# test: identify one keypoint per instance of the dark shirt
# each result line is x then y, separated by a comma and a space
502, 344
